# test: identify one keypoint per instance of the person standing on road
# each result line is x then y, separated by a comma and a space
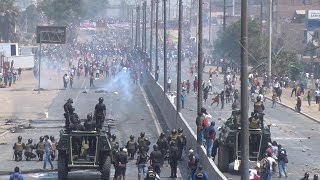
91, 78
192, 163
142, 160
199, 123
222, 99
169, 84
16, 175
274, 99
282, 161
48, 152
205, 93
211, 136
156, 159
122, 164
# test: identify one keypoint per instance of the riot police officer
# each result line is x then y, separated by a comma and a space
258, 106
173, 136
182, 142
40, 148
132, 147
18, 149
90, 125
156, 159
54, 147
173, 159
28, 150
143, 142
163, 145
114, 145
68, 111
100, 113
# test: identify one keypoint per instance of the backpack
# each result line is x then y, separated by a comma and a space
265, 165
205, 123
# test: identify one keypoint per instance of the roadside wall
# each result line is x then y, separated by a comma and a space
23, 61
173, 119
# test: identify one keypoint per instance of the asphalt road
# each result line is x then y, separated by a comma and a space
126, 105
298, 135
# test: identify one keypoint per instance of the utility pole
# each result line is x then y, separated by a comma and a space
144, 30
137, 42
224, 15
145, 27
200, 58
132, 30
270, 44
165, 78
210, 17
179, 58
157, 35
261, 17
151, 34
244, 93
142, 34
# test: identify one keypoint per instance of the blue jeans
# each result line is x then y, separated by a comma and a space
200, 137
282, 168
209, 146
266, 176
141, 170
47, 158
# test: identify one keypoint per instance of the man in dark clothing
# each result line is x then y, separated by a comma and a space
122, 160
163, 145
68, 109
173, 159
156, 159
100, 113
132, 147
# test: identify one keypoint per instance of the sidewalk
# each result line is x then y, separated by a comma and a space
311, 111
20, 102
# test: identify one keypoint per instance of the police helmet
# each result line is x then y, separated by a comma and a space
155, 147
142, 134
29, 141
101, 99
162, 134
89, 116
306, 174
19, 137
131, 137
258, 98
70, 100
51, 138
41, 138
180, 130
174, 131
113, 136
315, 176
46, 136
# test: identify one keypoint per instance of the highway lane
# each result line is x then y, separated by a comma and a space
298, 135
128, 107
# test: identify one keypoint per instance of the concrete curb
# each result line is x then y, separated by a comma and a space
302, 113
2, 173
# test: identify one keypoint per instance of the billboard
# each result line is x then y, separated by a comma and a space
51, 34
314, 14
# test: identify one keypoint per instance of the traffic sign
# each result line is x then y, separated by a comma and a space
51, 34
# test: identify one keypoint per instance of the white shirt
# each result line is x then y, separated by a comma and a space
171, 98
271, 161
169, 81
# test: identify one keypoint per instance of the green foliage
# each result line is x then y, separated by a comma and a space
228, 44
286, 63
6, 5
64, 12
30, 17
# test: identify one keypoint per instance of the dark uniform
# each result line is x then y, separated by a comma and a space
132, 147
18, 149
156, 159
90, 125
173, 159
173, 137
100, 111
28, 150
182, 142
40, 149
122, 163
163, 145
258, 106
68, 111
143, 142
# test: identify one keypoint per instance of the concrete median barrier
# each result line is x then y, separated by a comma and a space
167, 111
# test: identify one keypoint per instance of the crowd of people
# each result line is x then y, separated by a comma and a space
9, 74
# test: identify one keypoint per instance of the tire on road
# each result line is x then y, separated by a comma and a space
223, 158
106, 167
62, 166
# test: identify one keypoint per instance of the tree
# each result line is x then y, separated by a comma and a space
286, 63
228, 46
29, 19
62, 12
